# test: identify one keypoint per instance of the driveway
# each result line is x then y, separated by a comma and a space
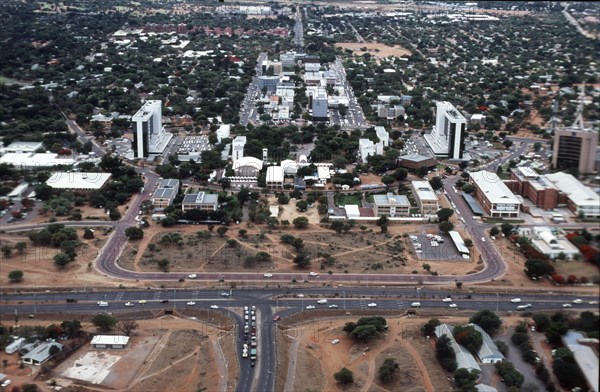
514, 355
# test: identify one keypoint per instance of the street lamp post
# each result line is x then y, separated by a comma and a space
497, 301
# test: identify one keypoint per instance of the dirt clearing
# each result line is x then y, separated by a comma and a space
375, 50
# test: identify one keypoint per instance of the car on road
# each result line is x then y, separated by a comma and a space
268, 275
593, 302
309, 307
214, 306
335, 341
372, 305
300, 295
277, 318
515, 300
313, 274
453, 306
142, 301
102, 304
246, 317
322, 301
191, 303
164, 301
577, 301
448, 299
129, 303
224, 294
192, 276
334, 306
482, 239
567, 306
252, 363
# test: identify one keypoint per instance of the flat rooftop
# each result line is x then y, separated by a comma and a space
77, 180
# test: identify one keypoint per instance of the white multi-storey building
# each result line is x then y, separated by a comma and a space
447, 139
149, 135
238, 147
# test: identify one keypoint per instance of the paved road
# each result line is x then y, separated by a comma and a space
248, 107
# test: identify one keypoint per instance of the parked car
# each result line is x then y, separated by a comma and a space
335, 341
313, 274
214, 306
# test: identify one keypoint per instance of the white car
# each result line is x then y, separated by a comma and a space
142, 301
453, 306
309, 307
102, 304
313, 274
268, 275
322, 301
335, 341
372, 305
6, 383
447, 299
191, 303
192, 276
300, 295
334, 306
224, 294
577, 301
245, 354
567, 306
129, 304
217, 307
515, 300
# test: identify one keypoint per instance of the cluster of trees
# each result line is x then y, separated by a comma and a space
105, 322
7, 249
445, 354
59, 236
388, 370
520, 338
302, 259
366, 328
511, 376
444, 215
468, 337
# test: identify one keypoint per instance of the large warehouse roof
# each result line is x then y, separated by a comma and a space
578, 193
110, 339
77, 180
493, 188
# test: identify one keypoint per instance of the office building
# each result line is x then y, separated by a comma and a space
224, 132
447, 139
581, 200
268, 83
425, 197
165, 193
391, 205
494, 196
319, 105
149, 135
200, 201
575, 148
275, 176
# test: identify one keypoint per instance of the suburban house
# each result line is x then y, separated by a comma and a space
40, 353
488, 352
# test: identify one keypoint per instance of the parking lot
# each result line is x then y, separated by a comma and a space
432, 249
193, 144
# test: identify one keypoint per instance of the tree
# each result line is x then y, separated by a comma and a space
465, 380
300, 222
349, 327
163, 264
302, 205
364, 332
542, 321
487, 320
134, 233
387, 181
506, 229
468, 188
537, 268
387, 371
20, 247
445, 354
383, 222
114, 214
62, 259
428, 329
128, 327
436, 183
6, 250
104, 322
71, 327
88, 234
222, 230
400, 174
446, 226
302, 260
344, 376
444, 214
494, 231
34, 387
15, 275
468, 242
469, 337
507, 143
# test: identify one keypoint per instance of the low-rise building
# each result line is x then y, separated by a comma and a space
585, 357
391, 205
552, 243
110, 341
224, 132
464, 359
415, 161
488, 352
26, 161
494, 196
247, 167
426, 198
78, 181
22, 147
200, 201
581, 200
165, 193
40, 353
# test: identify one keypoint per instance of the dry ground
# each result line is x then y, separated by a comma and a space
356, 251
167, 354
318, 359
375, 50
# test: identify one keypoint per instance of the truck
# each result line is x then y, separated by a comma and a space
253, 353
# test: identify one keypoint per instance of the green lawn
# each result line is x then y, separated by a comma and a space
348, 199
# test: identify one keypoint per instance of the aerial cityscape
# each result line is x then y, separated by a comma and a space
299, 196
